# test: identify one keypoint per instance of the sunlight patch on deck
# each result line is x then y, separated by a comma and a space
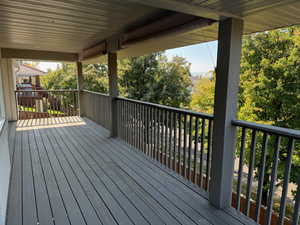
49, 123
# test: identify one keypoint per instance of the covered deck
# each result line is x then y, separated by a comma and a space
69, 171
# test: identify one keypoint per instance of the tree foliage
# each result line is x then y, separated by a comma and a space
62, 78
149, 78
95, 78
270, 89
153, 78
203, 95
269, 92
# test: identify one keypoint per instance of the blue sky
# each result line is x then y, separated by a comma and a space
201, 56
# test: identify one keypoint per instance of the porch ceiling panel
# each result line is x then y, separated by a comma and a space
258, 15
74, 25
68, 25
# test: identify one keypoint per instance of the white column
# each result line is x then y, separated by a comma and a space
226, 98
9, 89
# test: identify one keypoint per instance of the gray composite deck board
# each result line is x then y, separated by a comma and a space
68, 171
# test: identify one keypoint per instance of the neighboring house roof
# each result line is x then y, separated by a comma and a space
28, 71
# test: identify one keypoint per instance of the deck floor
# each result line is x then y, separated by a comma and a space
68, 171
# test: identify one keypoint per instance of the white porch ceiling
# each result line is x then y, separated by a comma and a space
73, 25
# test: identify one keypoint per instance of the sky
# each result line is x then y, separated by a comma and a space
201, 56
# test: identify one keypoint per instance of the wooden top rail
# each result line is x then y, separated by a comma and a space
63, 90
169, 108
268, 128
96, 93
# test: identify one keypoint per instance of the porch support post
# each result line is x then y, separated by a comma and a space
80, 88
8, 83
226, 98
113, 84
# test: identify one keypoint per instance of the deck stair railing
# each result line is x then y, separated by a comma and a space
33, 104
182, 140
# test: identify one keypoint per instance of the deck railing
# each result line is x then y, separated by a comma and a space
178, 138
182, 140
264, 147
97, 107
46, 103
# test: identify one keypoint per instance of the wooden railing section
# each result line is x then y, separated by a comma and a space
97, 107
33, 104
178, 138
266, 146
182, 140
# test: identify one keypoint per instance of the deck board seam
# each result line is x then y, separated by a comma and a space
78, 178
188, 215
97, 178
67, 180
160, 169
54, 175
34, 143
58, 158
33, 179
121, 191
168, 171
164, 207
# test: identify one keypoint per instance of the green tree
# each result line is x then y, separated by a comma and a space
95, 78
203, 95
153, 78
62, 78
270, 90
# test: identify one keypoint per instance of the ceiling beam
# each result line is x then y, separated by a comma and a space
188, 8
93, 51
11, 53
170, 24
173, 30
